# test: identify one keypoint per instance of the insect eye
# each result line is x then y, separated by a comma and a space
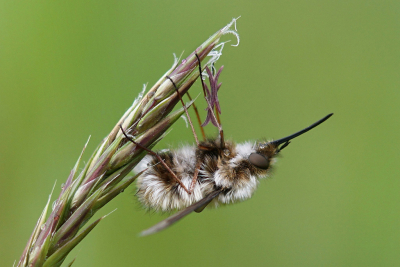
259, 161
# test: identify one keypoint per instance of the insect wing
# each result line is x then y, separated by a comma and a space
179, 215
201, 208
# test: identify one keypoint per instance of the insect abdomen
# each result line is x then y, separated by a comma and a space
157, 188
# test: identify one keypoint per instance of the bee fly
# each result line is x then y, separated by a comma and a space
213, 173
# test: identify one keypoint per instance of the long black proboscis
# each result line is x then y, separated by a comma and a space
288, 138
179, 215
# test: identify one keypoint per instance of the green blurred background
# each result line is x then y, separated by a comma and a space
69, 69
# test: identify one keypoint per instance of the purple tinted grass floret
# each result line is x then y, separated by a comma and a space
212, 96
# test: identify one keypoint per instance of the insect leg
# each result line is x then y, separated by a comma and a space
184, 107
198, 117
221, 131
195, 175
158, 157
196, 172
217, 115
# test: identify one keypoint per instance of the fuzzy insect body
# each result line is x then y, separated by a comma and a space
216, 173
227, 170
212, 173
